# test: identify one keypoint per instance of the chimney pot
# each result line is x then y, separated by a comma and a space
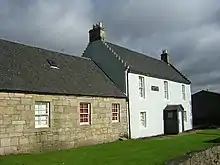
97, 32
165, 56
164, 51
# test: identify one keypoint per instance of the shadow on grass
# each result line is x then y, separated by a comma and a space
215, 141
206, 127
208, 133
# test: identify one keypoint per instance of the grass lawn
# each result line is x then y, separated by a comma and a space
130, 152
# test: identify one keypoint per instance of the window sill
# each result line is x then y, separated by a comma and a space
86, 124
41, 127
115, 121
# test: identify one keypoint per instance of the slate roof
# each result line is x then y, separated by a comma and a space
206, 92
26, 68
178, 107
144, 64
140, 63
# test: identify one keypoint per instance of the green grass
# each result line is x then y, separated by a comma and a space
130, 152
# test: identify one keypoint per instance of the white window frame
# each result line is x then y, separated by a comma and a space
143, 119
183, 92
185, 116
39, 113
115, 106
89, 113
141, 86
166, 90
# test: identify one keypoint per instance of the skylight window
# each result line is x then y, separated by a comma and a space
52, 64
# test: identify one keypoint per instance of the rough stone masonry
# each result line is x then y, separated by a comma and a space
17, 123
210, 156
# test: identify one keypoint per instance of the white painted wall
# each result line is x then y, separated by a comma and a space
154, 104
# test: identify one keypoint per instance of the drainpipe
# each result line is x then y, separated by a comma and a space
128, 104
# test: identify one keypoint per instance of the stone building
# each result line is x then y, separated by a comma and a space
50, 100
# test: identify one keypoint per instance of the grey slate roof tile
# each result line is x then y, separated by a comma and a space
142, 64
25, 68
172, 107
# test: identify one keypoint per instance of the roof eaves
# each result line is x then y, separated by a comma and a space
60, 93
173, 107
154, 76
180, 73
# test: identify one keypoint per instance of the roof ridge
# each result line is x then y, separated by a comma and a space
208, 91
147, 56
44, 49
125, 63
140, 53
85, 51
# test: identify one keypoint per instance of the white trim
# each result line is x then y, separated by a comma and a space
145, 120
166, 90
141, 87
185, 116
183, 91
38, 126
89, 114
118, 113
85, 123
47, 114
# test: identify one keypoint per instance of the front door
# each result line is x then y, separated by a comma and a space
171, 125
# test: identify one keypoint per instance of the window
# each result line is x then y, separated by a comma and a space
185, 116
183, 92
154, 88
170, 115
84, 113
52, 64
141, 87
42, 114
166, 90
115, 112
143, 120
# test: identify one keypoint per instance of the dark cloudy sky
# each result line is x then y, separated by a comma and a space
189, 29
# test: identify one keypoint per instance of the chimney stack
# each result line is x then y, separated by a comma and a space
165, 56
97, 32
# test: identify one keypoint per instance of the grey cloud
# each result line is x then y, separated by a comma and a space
187, 28
48, 24
190, 30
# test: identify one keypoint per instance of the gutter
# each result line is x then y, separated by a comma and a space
128, 103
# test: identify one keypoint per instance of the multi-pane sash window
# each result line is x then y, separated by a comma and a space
143, 119
185, 116
115, 112
183, 92
141, 87
84, 113
42, 114
166, 90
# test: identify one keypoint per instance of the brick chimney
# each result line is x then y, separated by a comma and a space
97, 32
165, 56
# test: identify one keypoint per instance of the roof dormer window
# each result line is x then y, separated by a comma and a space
52, 64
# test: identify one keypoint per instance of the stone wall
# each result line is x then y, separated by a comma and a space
209, 156
17, 123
